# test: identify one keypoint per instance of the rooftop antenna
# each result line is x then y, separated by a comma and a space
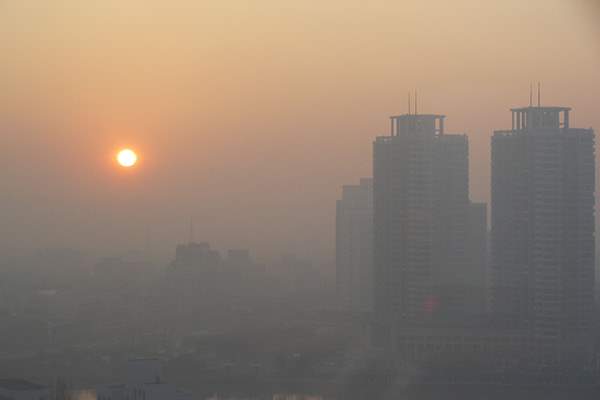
191, 229
409, 102
539, 95
147, 242
530, 94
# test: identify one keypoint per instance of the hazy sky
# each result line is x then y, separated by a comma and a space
250, 115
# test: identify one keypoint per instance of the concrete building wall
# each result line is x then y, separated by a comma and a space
543, 250
421, 223
20, 389
354, 246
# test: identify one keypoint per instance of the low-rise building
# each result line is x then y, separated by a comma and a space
143, 382
20, 389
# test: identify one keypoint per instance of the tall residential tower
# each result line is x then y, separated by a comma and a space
543, 182
421, 223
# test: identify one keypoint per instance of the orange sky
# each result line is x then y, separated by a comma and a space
250, 115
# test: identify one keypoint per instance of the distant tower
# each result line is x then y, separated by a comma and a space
354, 246
421, 219
543, 183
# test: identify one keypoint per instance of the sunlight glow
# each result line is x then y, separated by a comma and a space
127, 158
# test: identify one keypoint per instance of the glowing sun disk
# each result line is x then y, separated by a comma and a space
127, 158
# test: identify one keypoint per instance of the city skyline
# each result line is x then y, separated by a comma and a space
228, 101
299, 200
436, 289
271, 257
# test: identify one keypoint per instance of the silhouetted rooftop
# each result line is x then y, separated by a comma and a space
19, 384
551, 108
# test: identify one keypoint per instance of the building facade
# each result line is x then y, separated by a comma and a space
354, 247
20, 389
143, 382
421, 224
543, 250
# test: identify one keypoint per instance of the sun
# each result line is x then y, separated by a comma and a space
127, 158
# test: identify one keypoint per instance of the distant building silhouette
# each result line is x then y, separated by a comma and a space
239, 257
300, 273
240, 273
20, 389
196, 257
116, 271
354, 246
422, 225
543, 182
143, 382
192, 278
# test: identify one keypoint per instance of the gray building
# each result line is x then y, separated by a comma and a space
20, 389
543, 250
196, 257
354, 246
422, 229
478, 275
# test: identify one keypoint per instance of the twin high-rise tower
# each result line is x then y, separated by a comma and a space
543, 182
424, 263
429, 242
